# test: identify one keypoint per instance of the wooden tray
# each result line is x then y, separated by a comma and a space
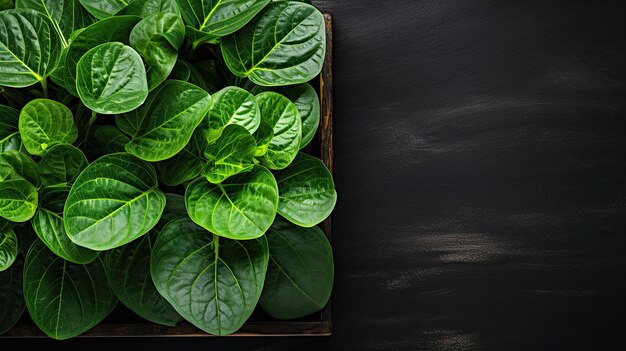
124, 323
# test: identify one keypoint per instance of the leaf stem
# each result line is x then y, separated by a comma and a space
44, 85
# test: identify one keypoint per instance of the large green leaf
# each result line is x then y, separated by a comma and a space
174, 209
300, 273
263, 136
18, 200
146, 8
49, 225
283, 45
62, 164
186, 165
214, 283
111, 138
164, 124
8, 245
65, 15
233, 153
65, 299
241, 208
128, 269
9, 132
44, 123
231, 105
17, 165
307, 191
157, 39
209, 20
11, 299
307, 101
111, 79
114, 201
30, 48
105, 8
5, 5
283, 116
114, 29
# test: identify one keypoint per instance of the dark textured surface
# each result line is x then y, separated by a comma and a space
480, 159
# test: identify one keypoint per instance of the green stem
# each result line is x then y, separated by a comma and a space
44, 85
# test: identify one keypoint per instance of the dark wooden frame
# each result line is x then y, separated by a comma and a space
321, 326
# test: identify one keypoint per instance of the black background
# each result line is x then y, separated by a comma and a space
481, 168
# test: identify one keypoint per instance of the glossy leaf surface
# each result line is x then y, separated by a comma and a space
17, 165
18, 200
62, 164
283, 116
9, 132
44, 123
8, 245
231, 105
186, 165
233, 153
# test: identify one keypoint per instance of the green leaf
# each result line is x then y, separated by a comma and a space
44, 123
12, 303
230, 105
8, 245
114, 29
186, 165
128, 269
283, 116
263, 136
62, 164
105, 8
49, 226
214, 283
111, 79
18, 200
146, 8
9, 132
307, 191
17, 165
241, 208
5, 5
30, 49
66, 16
284, 45
65, 299
174, 209
114, 201
157, 39
233, 153
307, 101
300, 274
164, 124
111, 138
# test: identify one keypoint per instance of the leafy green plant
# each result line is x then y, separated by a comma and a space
156, 153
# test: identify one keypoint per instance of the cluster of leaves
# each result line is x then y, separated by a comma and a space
153, 152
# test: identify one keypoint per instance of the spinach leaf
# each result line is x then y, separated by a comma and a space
9, 132
65, 299
232, 154
307, 192
283, 116
186, 165
30, 48
111, 79
8, 245
62, 164
241, 208
17, 165
114, 201
300, 273
44, 123
164, 124
12, 303
214, 283
18, 200
105, 8
231, 105
146, 8
285, 44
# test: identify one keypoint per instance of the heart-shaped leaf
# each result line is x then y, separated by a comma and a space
44, 123
114, 29
157, 39
186, 165
146, 8
283, 116
233, 153
300, 273
62, 164
163, 126
65, 299
18, 200
114, 201
128, 269
17, 165
8, 245
65, 15
285, 44
231, 105
11, 299
209, 20
30, 48
9, 132
214, 283
307, 191
105, 8
241, 208
111, 79
49, 226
